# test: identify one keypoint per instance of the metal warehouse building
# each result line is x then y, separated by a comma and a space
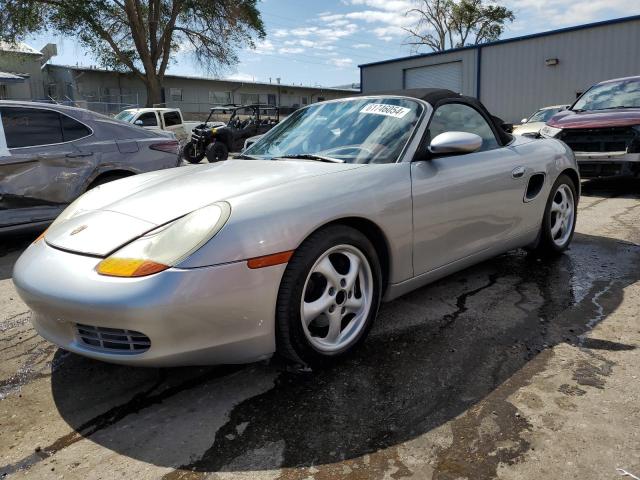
516, 76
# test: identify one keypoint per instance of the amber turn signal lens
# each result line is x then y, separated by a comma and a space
129, 267
270, 260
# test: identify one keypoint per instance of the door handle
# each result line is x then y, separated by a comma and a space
518, 172
79, 154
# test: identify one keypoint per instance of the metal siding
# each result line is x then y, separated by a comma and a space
516, 81
514, 78
390, 76
444, 75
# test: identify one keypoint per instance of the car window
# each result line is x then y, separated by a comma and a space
618, 94
543, 115
29, 127
355, 130
457, 117
149, 119
72, 129
125, 116
171, 119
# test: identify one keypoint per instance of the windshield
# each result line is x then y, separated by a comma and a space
620, 94
125, 116
367, 130
543, 115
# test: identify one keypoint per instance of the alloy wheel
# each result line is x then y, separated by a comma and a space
562, 215
337, 298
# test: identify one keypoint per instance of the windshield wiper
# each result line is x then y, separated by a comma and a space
244, 156
310, 156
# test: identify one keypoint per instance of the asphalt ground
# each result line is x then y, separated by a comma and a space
517, 368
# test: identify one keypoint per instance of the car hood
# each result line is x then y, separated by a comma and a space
120, 211
596, 119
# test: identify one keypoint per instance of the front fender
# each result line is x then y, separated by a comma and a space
280, 218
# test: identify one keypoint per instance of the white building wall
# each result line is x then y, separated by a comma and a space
122, 90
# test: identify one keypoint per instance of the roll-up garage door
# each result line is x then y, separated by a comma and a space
444, 75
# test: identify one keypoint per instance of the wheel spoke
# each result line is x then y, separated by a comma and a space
311, 310
354, 270
326, 268
556, 207
335, 326
563, 194
556, 227
353, 304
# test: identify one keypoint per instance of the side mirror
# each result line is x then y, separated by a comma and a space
139, 123
524, 120
455, 142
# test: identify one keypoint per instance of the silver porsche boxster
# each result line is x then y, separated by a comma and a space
291, 246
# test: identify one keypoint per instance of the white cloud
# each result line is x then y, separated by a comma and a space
540, 15
291, 50
341, 62
241, 77
264, 46
391, 16
361, 45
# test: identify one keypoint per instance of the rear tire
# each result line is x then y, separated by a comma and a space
559, 221
188, 153
216, 152
328, 298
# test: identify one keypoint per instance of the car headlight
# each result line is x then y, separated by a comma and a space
168, 245
548, 131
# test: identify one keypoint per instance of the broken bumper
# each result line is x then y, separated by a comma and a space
608, 164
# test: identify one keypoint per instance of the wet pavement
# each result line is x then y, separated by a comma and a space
515, 368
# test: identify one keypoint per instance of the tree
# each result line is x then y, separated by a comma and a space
445, 24
140, 36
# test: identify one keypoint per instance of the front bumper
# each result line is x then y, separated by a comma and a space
199, 316
609, 164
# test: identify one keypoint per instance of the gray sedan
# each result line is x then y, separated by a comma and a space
292, 246
51, 154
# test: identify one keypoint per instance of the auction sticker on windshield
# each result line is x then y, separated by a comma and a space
387, 110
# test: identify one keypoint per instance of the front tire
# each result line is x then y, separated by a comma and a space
559, 221
189, 153
216, 152
329, 297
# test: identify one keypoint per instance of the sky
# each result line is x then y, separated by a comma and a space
313, 42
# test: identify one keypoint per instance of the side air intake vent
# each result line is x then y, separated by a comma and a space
536, 182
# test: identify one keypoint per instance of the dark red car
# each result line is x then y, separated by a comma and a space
603, 128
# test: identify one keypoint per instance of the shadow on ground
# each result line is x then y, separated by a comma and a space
433, 354
612, 187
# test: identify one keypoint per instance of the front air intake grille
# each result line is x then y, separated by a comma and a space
600, 140
113, 340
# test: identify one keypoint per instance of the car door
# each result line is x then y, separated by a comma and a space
149, 121
464, 204
173, 123
40, 170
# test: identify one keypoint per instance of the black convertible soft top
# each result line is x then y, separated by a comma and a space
436, 96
